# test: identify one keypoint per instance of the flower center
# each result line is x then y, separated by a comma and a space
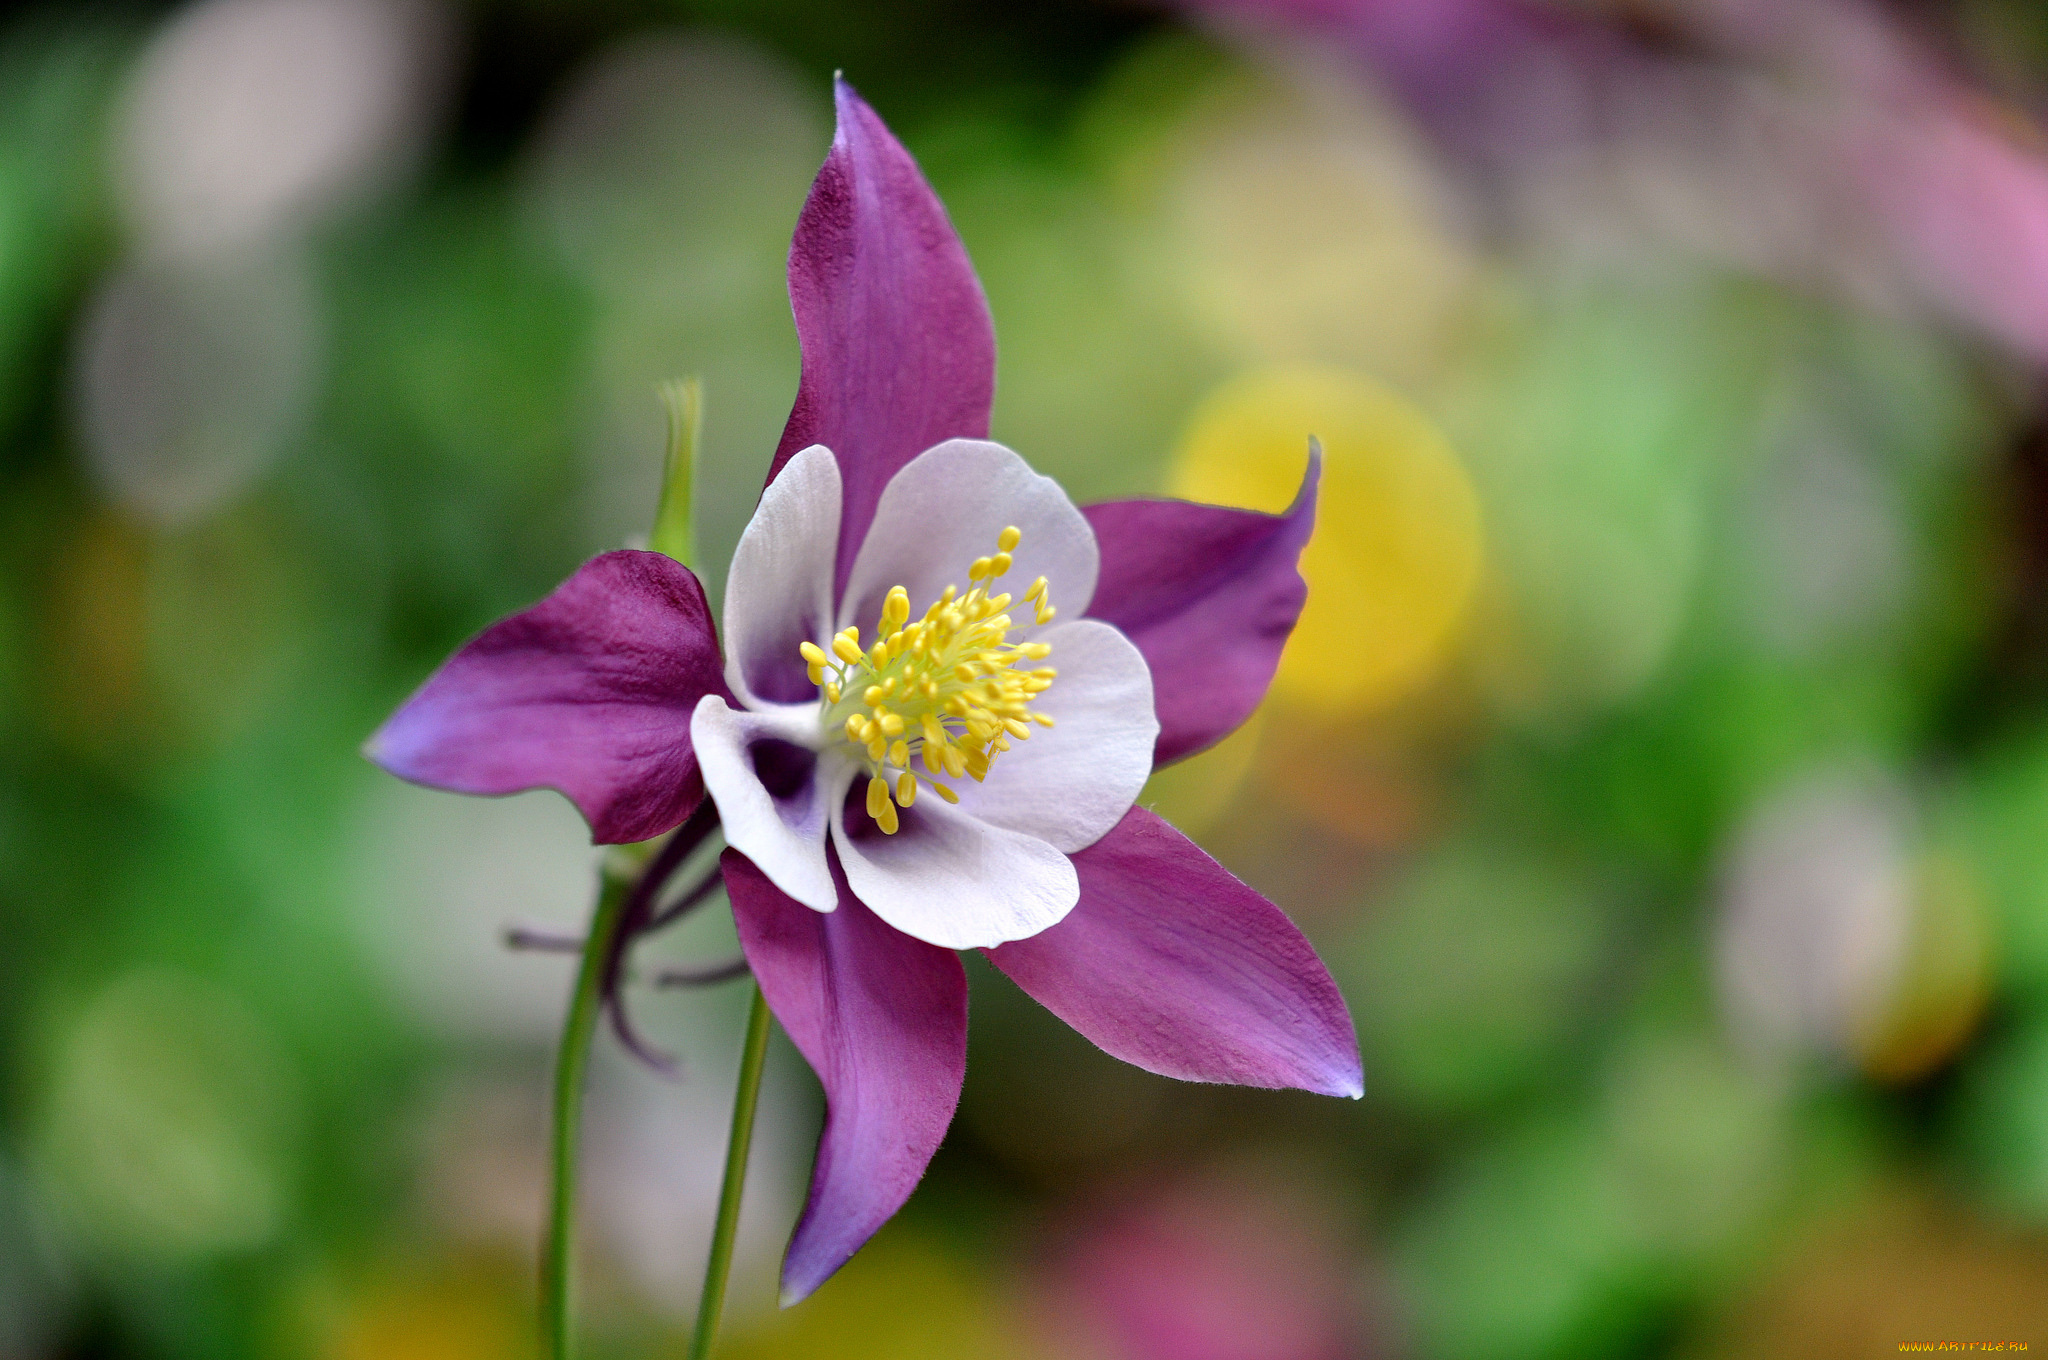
948, 689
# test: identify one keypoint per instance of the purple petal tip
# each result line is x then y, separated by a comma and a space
1209, 595
590, 692
1171, 963
898, 347
882, 1019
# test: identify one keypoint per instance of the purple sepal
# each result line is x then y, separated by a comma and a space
1172, 964
882, 1020
1209, 595
589, 692
899, 352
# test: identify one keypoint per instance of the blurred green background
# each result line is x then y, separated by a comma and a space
1661, 765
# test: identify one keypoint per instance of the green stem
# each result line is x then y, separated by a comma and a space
744, 1101
584, 1008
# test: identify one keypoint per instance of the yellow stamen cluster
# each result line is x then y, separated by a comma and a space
949, 689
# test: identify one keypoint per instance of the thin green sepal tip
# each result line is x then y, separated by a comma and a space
673, 533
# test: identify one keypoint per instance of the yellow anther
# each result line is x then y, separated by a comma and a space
951, 687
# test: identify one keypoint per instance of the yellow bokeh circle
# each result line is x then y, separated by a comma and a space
1397, 547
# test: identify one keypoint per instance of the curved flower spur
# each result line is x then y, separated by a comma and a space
941, 690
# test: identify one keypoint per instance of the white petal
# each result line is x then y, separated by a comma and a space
779, 591
955, 881
1068, 784
785, 835
945, 508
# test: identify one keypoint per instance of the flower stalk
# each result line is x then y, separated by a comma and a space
746, 1099
628, 883
586, 1005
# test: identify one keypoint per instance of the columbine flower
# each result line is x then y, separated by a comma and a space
942, 689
